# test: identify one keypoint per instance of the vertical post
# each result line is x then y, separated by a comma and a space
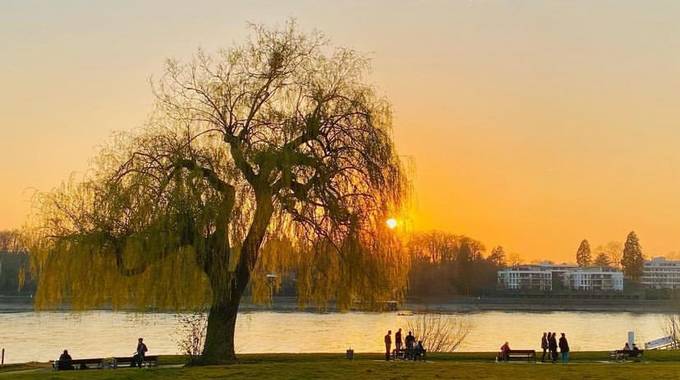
2, 361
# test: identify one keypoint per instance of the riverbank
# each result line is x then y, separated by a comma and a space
481, 365
448, 305
543, 304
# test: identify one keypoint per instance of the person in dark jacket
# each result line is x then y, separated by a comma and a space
138, 358
410, 343
65, 362
544, 345
564, 349
388, 344
552, 346
397, 341
504, 353
419, 351
635, 352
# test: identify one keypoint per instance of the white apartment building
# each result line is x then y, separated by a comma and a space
528, 277
594, 279
543, 276
660, 273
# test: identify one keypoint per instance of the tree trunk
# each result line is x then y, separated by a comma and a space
219, 341
227, 289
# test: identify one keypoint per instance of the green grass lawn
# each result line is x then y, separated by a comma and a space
585, 365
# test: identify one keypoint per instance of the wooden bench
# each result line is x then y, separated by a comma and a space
126, 361
528, 355
83, 363
403, 354
626, 354
115, 362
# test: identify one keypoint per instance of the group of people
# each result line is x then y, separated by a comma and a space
550, 344
66, 362
408, 346
634, 351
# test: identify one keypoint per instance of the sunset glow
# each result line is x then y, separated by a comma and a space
524, 130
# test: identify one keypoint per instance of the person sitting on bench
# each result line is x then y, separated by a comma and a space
635, 352
138, 358
65, 362
419, 351
504, 355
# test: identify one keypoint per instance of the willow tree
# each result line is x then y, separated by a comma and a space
274, 154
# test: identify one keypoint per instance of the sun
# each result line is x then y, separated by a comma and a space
391, 223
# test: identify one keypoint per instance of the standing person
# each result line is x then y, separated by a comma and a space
552, 346
410, 342
544, 345
388, 344
397, 340
140, 353
564, 348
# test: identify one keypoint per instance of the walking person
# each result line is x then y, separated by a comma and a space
397, 341
564, 349
388, 344
552, 346
544, 345
140, 353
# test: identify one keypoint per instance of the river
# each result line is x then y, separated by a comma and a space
33, 336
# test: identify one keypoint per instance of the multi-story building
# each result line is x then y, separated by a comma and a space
548, 276
594, 279
660, 273
528, 277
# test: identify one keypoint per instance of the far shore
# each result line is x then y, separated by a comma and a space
15, 304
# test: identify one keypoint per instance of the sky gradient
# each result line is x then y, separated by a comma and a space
531, 124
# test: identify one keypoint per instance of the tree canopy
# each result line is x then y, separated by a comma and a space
602, 260
613, 252
444, 264
633, 259
497, 257
269, 156
583, 257
11, 241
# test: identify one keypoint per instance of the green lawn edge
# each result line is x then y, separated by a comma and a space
460, 365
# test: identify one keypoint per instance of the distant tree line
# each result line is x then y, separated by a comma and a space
446, 264
14, 274
442, 264
14, 261
10, 241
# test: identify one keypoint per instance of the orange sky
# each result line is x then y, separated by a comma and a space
531, 124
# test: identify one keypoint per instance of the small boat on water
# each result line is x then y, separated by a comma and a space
405, 313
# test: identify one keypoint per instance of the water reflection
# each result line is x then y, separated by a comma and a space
31, 336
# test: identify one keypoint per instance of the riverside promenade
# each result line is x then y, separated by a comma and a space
591, 365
